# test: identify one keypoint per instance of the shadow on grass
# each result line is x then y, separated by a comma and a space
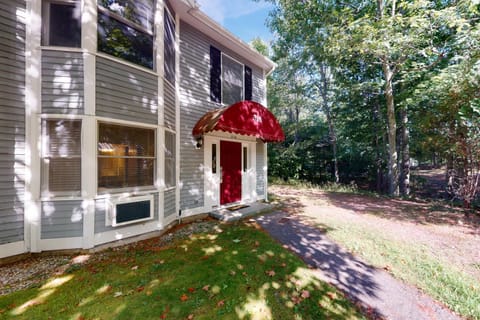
229, 272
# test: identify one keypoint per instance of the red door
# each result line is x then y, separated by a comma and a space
231, 164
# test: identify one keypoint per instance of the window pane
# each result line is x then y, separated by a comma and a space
64, 174
64, 25
126, 156
115, 140
62, 156
169, 47
232, 73
170, 150
214, 158
139, 12
125, 172
122, 41
245, 159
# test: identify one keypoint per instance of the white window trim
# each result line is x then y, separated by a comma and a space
111, 214
221, 75
102, 191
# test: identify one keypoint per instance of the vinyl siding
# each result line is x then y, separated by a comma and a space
100, 215
62, 219
12, 120
169, 107
62, 82
125, 93
260, 165
194, 103
169, 199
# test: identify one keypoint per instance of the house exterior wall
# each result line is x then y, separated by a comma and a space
125, 93
12, 121
83, 84
62, 82
260, 164
61, 219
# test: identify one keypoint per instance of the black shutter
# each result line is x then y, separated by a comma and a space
248, 83
215, 75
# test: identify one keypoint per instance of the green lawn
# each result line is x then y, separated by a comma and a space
235, 272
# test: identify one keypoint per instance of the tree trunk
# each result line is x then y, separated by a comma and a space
328, 112
405, 138
378, 158
392, 130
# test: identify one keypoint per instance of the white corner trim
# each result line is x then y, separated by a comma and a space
159, 59
60, 244
177, 113
12, 249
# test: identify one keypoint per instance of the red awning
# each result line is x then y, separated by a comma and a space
246, 118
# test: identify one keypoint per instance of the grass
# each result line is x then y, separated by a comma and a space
411, 262
235, 272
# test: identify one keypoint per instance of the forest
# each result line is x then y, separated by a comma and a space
370, 92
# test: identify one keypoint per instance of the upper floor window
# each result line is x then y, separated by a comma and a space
232, 84
230, 80
125, 30
169, 44
61, 24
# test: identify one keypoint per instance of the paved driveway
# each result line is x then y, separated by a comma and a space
375, 289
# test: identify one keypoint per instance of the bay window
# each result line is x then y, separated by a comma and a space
126, 156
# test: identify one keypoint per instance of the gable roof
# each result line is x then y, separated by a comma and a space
189, 11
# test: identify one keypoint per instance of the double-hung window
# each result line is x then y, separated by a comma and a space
230, 80
61, 24
126, 156
61, 161
125, 30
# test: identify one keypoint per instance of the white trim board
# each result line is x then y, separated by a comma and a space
12, 249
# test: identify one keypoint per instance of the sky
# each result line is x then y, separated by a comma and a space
244, 18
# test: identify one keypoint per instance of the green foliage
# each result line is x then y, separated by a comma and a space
431, 50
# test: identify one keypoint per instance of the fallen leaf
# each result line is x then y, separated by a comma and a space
232, 273
190, 317
332, 295
236, 240
206, 288
270, 273
221, 303
184, 297
191, 290
387, 268
149, 292
305, 294
140, 289
135, 268
283, 265
257, 243
117, 294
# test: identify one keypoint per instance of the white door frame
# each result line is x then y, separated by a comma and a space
212, 180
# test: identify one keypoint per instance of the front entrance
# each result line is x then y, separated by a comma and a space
231, 171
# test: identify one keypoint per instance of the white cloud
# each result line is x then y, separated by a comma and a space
219, 10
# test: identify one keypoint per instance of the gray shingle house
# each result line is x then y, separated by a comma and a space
98, 103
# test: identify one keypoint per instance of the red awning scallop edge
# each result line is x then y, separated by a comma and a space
246, 118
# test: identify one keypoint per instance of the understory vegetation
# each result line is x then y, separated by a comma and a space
367, 91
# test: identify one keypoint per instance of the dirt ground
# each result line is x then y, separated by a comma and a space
447, 232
